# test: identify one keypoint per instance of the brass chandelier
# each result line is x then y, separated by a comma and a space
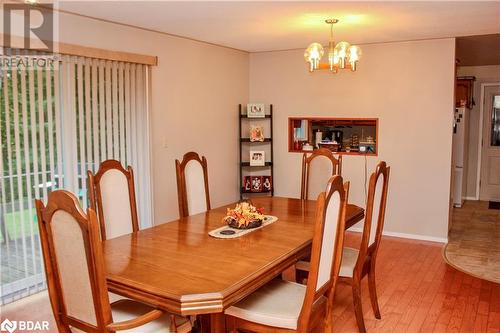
340, 56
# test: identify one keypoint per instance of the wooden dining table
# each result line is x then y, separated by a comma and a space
179, 268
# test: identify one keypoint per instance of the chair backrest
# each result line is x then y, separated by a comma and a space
374, 215
74, 264
317, 168
112, 196
192, 184
327, 245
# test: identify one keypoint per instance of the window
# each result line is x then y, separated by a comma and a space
495, 122
55, 124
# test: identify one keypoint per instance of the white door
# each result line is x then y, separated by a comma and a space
490, 153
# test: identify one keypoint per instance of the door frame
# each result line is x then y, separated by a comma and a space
480, 141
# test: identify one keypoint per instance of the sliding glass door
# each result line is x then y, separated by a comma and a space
57, 122
29, 138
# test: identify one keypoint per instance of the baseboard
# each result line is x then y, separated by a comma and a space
471, 198
407, 236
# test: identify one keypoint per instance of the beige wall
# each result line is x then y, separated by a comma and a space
409, 87
483, 74
196, 89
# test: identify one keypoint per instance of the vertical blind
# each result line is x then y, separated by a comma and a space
57, 123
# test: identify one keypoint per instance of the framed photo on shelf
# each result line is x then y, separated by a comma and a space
247, 184
256, 110
256, 133
267, 183
256, 183
257, 158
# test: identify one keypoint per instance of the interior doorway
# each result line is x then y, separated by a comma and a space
489, 179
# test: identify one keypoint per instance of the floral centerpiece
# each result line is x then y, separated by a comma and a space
244, 216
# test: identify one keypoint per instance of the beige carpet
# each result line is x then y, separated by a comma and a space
474, 241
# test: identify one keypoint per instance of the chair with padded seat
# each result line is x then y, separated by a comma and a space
112, 196
192, 184
283, 306
358, 263
76, 278
317, 168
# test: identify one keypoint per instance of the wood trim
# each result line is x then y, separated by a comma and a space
306, 162
94, 187
83, 51
180, 167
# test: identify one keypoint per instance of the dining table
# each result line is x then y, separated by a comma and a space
178, 267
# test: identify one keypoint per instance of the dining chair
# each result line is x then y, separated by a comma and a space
358, 263
76, 278
283, 306
317, 168
192, 184
112, 196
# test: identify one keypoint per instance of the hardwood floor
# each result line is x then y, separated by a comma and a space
418, 292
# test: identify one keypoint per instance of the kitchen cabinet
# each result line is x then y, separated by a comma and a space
464, 91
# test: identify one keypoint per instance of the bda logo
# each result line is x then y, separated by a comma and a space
24, 325
8, 325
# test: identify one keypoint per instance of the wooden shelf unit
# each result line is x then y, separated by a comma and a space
245, 166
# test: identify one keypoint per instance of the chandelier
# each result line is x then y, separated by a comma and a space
343, 55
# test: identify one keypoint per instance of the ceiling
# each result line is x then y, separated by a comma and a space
478, 50
269, 26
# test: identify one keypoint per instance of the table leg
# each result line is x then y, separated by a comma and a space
217, 323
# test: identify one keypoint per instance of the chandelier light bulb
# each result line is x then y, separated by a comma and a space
341, 51
354, 55
313, 55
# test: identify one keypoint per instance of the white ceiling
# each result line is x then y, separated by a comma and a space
267, 25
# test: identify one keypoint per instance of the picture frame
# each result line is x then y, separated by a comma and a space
256, 133
267, 183
257, 158
256, 110
256, 183
247, 184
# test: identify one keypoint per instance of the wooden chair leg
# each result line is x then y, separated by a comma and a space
328, 322
358, 309
373, 293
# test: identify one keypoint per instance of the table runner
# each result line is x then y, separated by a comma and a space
268, 219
